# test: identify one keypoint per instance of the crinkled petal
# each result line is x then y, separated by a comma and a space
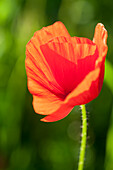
47, 33
72, 48
69, 73
77, 40
86, 91
46, 104
35, 74
44, 101
36, 66
100, 39
61, 113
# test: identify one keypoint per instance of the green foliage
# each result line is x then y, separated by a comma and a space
25, 142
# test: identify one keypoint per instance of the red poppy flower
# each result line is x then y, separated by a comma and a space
64, 71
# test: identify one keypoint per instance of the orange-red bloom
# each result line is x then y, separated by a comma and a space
64, 71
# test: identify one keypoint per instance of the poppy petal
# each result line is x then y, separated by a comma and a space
86, 91
69, 73
36, 65
47, 33
46, 104
77, 40
38, 70
62, 69
44, 101
78, 47
100, 39
61, 113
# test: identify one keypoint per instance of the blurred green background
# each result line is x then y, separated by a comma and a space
25, 142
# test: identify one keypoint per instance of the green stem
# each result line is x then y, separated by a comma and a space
83, 140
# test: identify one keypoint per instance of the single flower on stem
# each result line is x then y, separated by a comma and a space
64, 71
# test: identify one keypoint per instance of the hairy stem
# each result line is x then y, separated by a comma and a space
83, 140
